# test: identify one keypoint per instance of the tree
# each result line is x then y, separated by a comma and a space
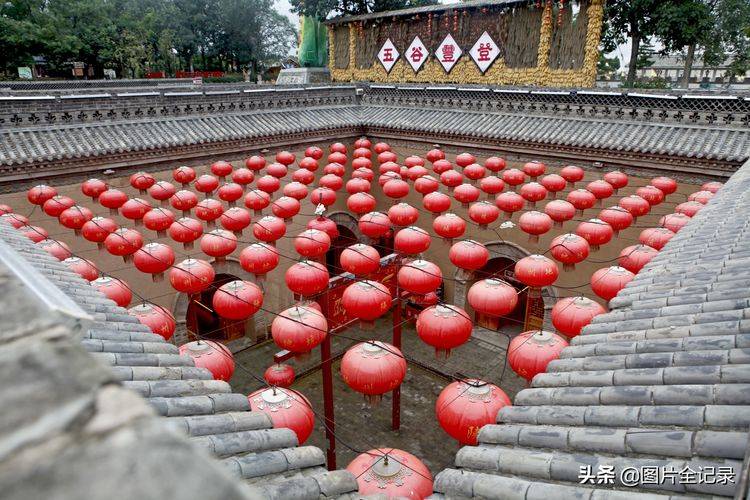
728, 38
322, 9
607, 65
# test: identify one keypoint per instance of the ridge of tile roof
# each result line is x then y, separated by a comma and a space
662, 380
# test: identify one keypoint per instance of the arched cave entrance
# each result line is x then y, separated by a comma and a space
203, 323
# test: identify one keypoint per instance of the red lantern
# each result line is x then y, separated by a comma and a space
674, 222
257, 200
712, 187
206, 184
361, 153
436, 203
235, 219
441, 166
559, 211
396, 189
360, 259
608, 281
475, 172
419, 277
413, 161
572, 174
73, 218
509, 203
326, 225
403, 214
465, 194
237, 300
156, 318
221, 168
299, 329
469, 255
600, 189
702, 197
444, 327
279, 375
483, 213
230, 192
492, 297
307, 278
634, 257
114, 289
373, 368
268, 184
97, 229
295, 190
243, 176
665, 184
529, 353
391, 473
357, 185
82, 267
636, 205
312, 243
185, 231
616, 179
162, 191
256, 163
183, 175
134, 209
277, 170
286, 408
218, 244
285, 208
465, 159
434, 155
159, 220
259, 259
412, 240
617, 217
465, 406
449, 226
57, 205
491, 185
314, 152
596, 232
184, 200
124, 243
381, 147
337, 147
93, 188
534, 169
374, 225
361, 203
571, 314
269, 229
142, 181
112, 199
514, 177
363, 173
553, 183
285, 158
651, 194
494, 164
536, 271
570, 249
209, 210
689, 208
416, 172
323, 196
191, 276
366, 301
389, 167
535, 224
35, 233
40, 193
213, 356
57, 249
331, 181
655, 237
154, 259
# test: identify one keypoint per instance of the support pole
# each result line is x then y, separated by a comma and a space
396, 401
330, 423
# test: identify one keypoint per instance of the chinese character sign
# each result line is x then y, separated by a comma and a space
484, 52
448, 53
416, 54
388, 55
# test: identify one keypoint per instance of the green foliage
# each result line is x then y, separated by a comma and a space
645, 55
322, 9
607, 65
135, 36
729, 35
651, 83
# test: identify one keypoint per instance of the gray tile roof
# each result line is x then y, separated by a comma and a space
661, 380
215, 419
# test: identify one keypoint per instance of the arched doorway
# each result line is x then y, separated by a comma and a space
345, 238
203, 323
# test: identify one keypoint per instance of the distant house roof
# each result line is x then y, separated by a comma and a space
671, 62
427, 8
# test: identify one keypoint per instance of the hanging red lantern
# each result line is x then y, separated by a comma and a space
361, 163
712, 187
469, 255
655, 237
381, 147
235, 219
529, 353
331, 181
218, 244
634, 257
465, 194
114, 289
441, 166
35, 233
183, 175
403, 214
287, 409
279, 375
57, 249
396, 189
494, 164
221, 168
257, 200
388, 176
581, 199
483, 213
285, 158
97, 229
373, 368
608, 281
360, 259
314, 152
536, 271
616, 179
259, 259
73, 218
449, 226
509, 202
534, 169
617, 217
237, 300
269, 229
159, 220
389, 167
268, 184
444, 327
162, 191
702, 197
185, 230
326, 225
451, 178
361, 153
664, 184
230, 192
570, 249
413, 161
285, 208
357, 185
391, 473
651, 194
600, 189
636, 205
337, 147
411, 240
57, 205
206, 184
419, 277
465, 406
492, 297
256, 163
436, 203
366, 301
213, 356
277, 170
295, 190
312, 243
416, 172
142, 181
572, 174
307, 278
303, 176
337, 159
596, 232
185, 201
475, 172
553, 183
571, 314
124, 243
134, 209
535, 224
82, 267
243, 176
491, 185
112, 199
465, 159
156, 318
434, 155
689, 208
93, 188
209, 210
374, 224
323, 196
299, 329
191, 276
513, 178
559, 211
40, 194
154, 259
674, 222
